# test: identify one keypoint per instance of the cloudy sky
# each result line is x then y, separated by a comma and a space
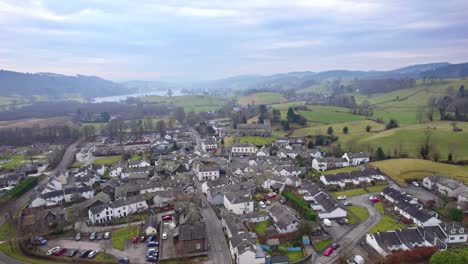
210, 39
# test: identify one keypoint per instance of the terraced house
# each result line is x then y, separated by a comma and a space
104, 213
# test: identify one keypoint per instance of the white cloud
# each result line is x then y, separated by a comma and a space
292, 44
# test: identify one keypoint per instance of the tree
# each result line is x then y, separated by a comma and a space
368, 128
330, 130
452, 256
450, 158
379, 154
391, 124
169, 92
161, 127
431, 104
345, 130
310, 145
285, 124
291, 115
222, 142
306, 227
456, 214
276, 115
179, 114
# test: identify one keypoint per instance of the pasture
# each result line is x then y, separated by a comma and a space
261, 98
190, 103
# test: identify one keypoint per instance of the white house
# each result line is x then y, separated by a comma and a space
284, 220
116, 170
326, 207
120, 208
139, 164
207, 171
353, 177
323, 164
455, 232
209, 144
243, 149
355, 159
444, 185
240, 202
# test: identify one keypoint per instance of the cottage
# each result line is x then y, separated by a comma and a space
151, 226
207, 171
284, 220
444, 185
120, 208
355, 159
353, 177
239, 202
241, 149
209, 144
323, 164
260, 130
327, 207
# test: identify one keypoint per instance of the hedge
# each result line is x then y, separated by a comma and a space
299, 204
24, 186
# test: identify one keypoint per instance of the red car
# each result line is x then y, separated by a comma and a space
375, 200
135, 240
59, 252
167, 218
328, 251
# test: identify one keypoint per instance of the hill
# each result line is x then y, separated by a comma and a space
56, 85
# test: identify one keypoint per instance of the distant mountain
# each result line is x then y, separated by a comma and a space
449, 71
56, 85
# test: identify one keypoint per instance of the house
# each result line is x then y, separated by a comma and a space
444, 185
116, 170
353, 177
11, 179
323, 164
263, 152
151, 226
209, 144
104, 213
283, 219
385, 242
145, 172
163, 198
287, 171
355, 159
327, 207
414, 212
260, 130
190, 235
207, 171
239, 202
139, 164
241, 149
455, 232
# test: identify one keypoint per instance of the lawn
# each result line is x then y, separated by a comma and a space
16, 161
258, 141
321, 244
360, 212
345, 169
379, 207
261, 98
109, 160
386, 223
350, 193
401, 169
77, 164
377, 188
119, 236
7, 230
294, 256
328, 115
261, 227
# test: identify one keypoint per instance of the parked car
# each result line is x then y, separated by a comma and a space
262, 204
328, 251
135, 240
282, 201
415, 183
340, 221
92, 236
50, 251
153, 252
375, 200
346, 221
85, 253
164, 236
167, 218
151, 258
371, 197
99, 236
59, 252
78, 237
107, 235
72, 253
153, 238
335, 246
327, 222
40, 241
124, 260
153, 244
347, 204
92, 254
142, 238
342, 197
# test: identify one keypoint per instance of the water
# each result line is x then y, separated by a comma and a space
118, 98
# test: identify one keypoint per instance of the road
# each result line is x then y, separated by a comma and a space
351, 239
14, 205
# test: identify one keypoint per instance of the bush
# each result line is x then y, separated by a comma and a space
300, 205
24, 186
456, 214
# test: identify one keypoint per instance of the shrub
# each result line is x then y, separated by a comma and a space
456, 214
300, 205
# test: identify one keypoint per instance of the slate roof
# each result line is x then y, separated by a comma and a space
208, 167
239, 197
409, 236
388, 238
350, 175
326, 202
192, 232
282, 215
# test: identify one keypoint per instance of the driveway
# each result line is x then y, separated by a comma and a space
352, 237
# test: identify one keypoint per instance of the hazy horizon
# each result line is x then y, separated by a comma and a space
208, 40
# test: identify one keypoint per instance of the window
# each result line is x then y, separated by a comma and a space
461, 237
452, 238
198, 246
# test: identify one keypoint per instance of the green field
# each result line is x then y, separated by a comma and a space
329, 115
350, 193
107, 160
401, 169
190, 103
294, 256
345, 169
379, 207
321, 244
261, 227
119, 237
360, 212
16, 161
386, 223
261, 98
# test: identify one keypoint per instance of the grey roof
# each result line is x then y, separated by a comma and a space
359, 155
350, 175
208, 167
409, 236
151, 222
283, 217
239, 197
388, 239
192, 232
431, 232
279, 259
243, 145
447, 182
326, 202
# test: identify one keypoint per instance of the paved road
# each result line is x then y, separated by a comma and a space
16, 204
352, 238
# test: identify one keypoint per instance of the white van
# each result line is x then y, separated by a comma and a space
327, 222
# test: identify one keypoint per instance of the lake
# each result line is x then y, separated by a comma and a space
118, 98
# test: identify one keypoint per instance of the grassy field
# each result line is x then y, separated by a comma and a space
345, 169
119, 236
261, 98
329, 115
190, 103
107, 160
294, 256
321, 244
379, 207
350, 193
16, 161
261, 227
386, 223
360, 212
377, 188
401, 169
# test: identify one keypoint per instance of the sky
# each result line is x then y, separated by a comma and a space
181, 40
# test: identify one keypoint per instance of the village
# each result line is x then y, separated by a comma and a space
181, 196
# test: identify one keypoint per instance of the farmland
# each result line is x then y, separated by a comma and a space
401, 169
261, 98
329, 115
190, 103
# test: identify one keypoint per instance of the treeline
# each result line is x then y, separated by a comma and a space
452, 106
369, 86
30, 135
